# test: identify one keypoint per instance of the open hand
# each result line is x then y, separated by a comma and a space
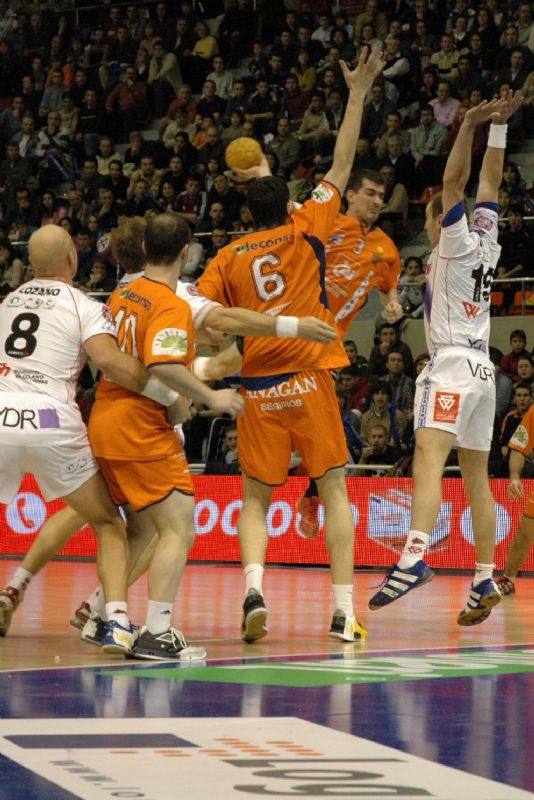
367, 70
314, 330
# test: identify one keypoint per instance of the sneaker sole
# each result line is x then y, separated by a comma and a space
478, 615
116, 649
393, 599
94, 642
255, 627
149, 656
6, 614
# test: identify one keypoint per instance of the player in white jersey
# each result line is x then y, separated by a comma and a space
455, 394
209, 318
47, 331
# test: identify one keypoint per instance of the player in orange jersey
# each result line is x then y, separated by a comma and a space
138, 451
289, 393
359, 257
521, 444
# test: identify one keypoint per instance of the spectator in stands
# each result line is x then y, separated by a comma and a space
402, 388
445, 107
286, 146
178, 125
185, 100
11, 118
262, 108
393, 128
210, 104
14, 172
127, 104
184, 149
117, 181
304, 70
354, 383
525, 370
351, 350
148, 173
11, 268
375, 115
351, 425
236, 32
394, 214
138, 203
420, 363
21, 210
86, 253
402, 163
375, 17
192, 202
215, 218
522, 403
503, 390
411, 294
196, 66
446, 59
237, 100
219, 238
164, 78
275, 74
378, 451
89, 180
479, 56
78, 210
31, 97
105, 154
101, 278
388, 339
516, 252
107, 210
294, 101
425, 148
466, 80
222, 78
397, 69
314, 119
518, 349
234, 130
52, 212
230, 198
120, 51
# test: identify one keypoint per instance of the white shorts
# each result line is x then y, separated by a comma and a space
456, 393
59, 469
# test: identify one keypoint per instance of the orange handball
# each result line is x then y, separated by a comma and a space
243, 153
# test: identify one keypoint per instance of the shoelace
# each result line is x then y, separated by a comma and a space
385, 579
177, 639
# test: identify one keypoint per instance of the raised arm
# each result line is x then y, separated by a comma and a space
491, 172
458, 167
359, 81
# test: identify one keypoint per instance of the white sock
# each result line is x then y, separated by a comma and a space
343, 597
97, 602
414, 549
118, 612
158, 618
482, 572
253, 577
20, 579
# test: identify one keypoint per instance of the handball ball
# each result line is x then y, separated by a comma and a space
243, 153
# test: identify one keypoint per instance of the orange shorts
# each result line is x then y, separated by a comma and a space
528, 510
145, 483
300, 413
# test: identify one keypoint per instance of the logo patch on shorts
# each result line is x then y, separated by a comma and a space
446, 407
170, 342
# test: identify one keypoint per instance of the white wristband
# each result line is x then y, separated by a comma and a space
157, 391
199, 368
497, 136
287, 327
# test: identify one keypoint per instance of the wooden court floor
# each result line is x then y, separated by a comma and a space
461, 698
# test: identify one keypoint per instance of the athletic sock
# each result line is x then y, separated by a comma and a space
20, 579
253, 578
414, 549
482, 572
343, 597
118, 612
158, 618
97, 602
312, 490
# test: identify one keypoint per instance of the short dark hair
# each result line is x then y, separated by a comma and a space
267, 199
357, 178
166, 236
523, 385
519, 333
381, 387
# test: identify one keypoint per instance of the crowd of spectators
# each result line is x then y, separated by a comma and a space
126, 110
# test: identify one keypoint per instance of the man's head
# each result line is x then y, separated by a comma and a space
166, 239
387, 334
394, 146
444, 91
525, 368
365, 196
127, 244
426, 116
378, 438
395, 362
230, 437
267, 199
517, 60
518, 341
523, 397
216, 212
282, 127
446, 43
12, 151
387, 173
219, 237
515, 218
350, 349
511, 36
348, 377
52, 253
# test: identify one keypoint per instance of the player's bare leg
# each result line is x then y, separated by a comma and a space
517, 554
432, 446
484, 592
340, 543
253, 539
52, 537
172, 520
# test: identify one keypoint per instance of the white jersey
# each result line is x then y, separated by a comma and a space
43, 327
199, 305
459, 275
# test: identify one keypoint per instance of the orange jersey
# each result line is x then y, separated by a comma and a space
156, 327
357, 261
281, 271
523, 438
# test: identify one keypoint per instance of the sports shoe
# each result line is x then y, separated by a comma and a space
348, 629
94, 630
308, 508
118, 639
165, 646
400, 581
9, 600
481, 600
80, 616
253, 623
505, 585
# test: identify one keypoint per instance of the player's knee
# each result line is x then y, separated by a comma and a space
525, 532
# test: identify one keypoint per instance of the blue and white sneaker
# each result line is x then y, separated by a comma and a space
94, 630
481, 600
399, 582
118, 639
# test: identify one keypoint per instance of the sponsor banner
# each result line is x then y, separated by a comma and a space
380, 508
95, 759
334, 672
